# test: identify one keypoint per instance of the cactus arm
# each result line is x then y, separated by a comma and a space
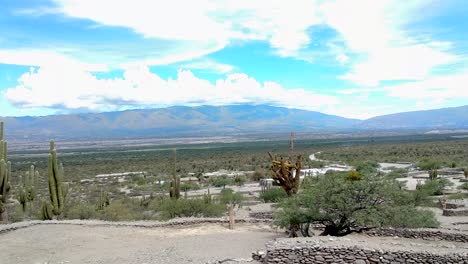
60, 194
52, 184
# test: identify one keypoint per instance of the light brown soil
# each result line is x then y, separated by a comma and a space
59, 243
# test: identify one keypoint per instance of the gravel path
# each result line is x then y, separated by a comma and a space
206, 243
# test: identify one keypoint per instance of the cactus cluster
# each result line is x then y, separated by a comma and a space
207, 197
103, 201
28, 188
46, 211
56, 190
433, 174
174, 191
5, 174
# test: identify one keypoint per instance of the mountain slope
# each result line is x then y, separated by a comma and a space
445, 118
233, 120
176, 121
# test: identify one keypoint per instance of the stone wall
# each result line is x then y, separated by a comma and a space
455, 212
322, 254
419, 234
261, 215
185, 221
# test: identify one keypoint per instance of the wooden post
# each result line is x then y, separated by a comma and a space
231, 216
291, 146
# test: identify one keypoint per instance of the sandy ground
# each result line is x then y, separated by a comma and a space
60, 243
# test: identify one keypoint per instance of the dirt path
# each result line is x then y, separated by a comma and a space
208, 243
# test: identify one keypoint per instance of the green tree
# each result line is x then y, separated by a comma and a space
345, 205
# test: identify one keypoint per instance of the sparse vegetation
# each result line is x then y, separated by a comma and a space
273, 195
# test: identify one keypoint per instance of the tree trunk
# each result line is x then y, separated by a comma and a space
293, 228
305, 230
4, 216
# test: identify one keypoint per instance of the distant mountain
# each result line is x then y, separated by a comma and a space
445, 118
176, 121
233, 120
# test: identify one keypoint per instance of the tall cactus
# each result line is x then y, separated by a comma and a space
28, 188
55, 181
5, 174
103, 201
174, 191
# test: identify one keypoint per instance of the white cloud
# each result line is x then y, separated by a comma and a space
43, 58
60, 87
209, 65
413, 62
281, 23
445, 87
376, 30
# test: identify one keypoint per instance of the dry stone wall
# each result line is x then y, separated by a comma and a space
296, 254
420, 234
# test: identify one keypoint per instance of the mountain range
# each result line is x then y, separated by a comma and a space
232, 120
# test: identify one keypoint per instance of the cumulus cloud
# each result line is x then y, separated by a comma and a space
376, 30
209, 65
58, 87
280, 23
49, 58
433, 88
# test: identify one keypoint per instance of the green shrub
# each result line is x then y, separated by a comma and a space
240, 180
228, 196
16, 213
273, 195
366, 167
122, 210
81, 211
457, 196
428, 164
464, 186
257, 175
409, 217
220, 181
189, 186
171, 208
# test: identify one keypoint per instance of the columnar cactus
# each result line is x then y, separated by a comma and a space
174, 191
433, 174
46, 211
103, 201
28, 188
55, 181
5, 174
175, 187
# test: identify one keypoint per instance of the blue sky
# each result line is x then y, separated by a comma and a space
351, 58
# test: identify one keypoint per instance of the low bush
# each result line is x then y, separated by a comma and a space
464, 186
220, 181
81, 211
273, 195
228, 196
240, 180
122, 210
189, 186
171, 208
409, 217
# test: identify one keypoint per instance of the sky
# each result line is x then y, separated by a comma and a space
356, 59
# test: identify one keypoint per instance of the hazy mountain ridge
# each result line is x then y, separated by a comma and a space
444, 118
219, 121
